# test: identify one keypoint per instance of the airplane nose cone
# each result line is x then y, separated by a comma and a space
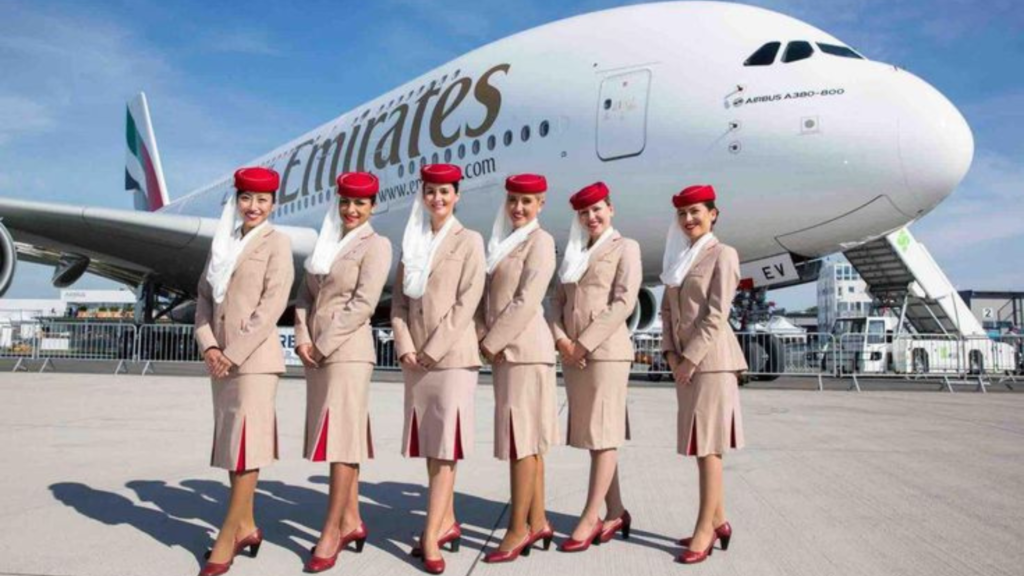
935, 144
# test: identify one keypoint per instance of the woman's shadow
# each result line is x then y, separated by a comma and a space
291, 516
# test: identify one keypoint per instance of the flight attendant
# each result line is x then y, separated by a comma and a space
599, 279
700, 275
344, 278
242, 295
516, 340
440, 281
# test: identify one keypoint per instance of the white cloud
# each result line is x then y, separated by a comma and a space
242, 41
20, 115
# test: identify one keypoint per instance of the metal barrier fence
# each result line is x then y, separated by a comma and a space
954, 361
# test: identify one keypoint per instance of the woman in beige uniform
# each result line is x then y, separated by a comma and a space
597, 290
701, 275
344, 278
242, 295
440, 281
516, 340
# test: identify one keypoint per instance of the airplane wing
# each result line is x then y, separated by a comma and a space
123, 245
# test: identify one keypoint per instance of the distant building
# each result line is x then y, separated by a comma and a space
26, 309
841, 294
999, 312
80, 304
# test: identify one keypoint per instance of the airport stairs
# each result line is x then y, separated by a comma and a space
900, 271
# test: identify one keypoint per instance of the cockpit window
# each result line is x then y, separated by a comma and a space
837, 50
764, 56
798, 50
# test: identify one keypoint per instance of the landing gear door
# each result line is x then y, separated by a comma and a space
622, 115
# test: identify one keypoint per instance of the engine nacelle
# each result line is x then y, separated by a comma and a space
645, 312
8, 259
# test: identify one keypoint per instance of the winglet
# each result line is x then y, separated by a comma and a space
143, 173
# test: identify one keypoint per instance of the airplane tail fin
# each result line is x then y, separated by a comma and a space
143, 173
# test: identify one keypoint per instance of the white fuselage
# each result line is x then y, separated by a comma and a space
808, 157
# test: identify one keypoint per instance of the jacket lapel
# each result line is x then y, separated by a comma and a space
603, 249
365, 233
707, 251
252, 245
601, 252
449, 243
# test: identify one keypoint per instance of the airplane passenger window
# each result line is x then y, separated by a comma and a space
491, 142
401, 170
447, 154
462, 151
764, 56
508, 137
412, 167
544, 127
837, 50
433, 158
796, 51
525, 133
476, 147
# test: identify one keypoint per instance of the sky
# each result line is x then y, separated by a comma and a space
228, 81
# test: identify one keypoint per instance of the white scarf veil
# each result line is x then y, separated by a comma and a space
226, 247
332, 240
577, 255
504, 238
680, 254
419, 244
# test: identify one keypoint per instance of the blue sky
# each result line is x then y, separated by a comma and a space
228, 81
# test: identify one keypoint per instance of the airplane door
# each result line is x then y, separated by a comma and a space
622, 115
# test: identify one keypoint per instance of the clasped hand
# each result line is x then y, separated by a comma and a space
217, 364
310, 356
417, 361
573, 354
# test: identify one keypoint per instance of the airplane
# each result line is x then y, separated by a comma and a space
813, 149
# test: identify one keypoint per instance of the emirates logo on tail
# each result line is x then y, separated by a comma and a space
143, 175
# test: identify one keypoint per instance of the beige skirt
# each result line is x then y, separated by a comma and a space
338, 413
525, 410
439, 415
598, 418
244, 422
709, 419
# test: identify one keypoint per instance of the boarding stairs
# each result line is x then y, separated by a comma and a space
901, 274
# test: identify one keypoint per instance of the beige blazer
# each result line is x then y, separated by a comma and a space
440, 324
244, 325
695, 315
333, 311
593, 311
511, 315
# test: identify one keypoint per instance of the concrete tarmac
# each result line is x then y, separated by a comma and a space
108, 475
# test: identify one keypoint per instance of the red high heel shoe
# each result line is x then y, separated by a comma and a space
451, 536
434, 566
547, 534
507, 556
594, 538
622, 523
691, 557
216, 568
320, 563
252, 542
723, 534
